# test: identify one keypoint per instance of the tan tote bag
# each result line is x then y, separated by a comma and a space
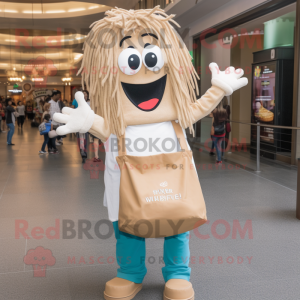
160, 195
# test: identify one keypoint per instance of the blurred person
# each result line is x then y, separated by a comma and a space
83, 136
61, 106
21, 111
226, 106
87, 97
93, 139
41, 107
74, 104
49, 126
96, 142
10, 121
2, 113
212, 146
66, 103
47, 99
51, 141
38, 112
218, 129
29, 110
212, 141
46, 109
55, 108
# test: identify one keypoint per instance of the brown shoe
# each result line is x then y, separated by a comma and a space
121, 289
176, 289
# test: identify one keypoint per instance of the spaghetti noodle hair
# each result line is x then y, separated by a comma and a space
100, 71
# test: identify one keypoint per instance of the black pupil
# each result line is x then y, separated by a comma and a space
133, 62
150, 59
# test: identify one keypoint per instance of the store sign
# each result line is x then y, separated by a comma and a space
41, 92
228, 39
15, 91
27, 87
263, 101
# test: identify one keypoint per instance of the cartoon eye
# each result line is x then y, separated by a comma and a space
129, 61
43, 258
153, 58
35, 258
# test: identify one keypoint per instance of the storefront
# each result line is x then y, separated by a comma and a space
263, 45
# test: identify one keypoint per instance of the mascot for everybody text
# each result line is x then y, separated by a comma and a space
143, 94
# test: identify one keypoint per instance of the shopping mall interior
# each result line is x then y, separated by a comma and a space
66, 186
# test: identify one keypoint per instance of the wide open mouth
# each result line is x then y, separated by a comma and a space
147, 96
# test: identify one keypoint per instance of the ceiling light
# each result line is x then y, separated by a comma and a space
15, 79
55, 11
80, 38
23, 77
37, 79
10, 11
14, 41
76, 9
93, 7
32, 12
14, 69
66, 79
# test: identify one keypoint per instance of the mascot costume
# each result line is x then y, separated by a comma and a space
143, 90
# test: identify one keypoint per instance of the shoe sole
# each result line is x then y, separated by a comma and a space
167, 298
106, 297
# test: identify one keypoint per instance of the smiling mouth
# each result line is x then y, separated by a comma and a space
147, 96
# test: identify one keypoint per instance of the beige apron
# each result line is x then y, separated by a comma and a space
160, 195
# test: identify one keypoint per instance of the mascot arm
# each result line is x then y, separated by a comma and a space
224, 83
81, 119
207, 103
99, 129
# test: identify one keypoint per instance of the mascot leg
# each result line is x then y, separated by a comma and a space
176, 271
130, 252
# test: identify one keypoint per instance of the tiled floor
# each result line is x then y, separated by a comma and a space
35, 191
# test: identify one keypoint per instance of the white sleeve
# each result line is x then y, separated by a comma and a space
52, 111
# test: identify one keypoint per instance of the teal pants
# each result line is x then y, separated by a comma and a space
131, 256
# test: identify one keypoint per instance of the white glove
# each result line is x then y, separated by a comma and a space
80, 119
229, 80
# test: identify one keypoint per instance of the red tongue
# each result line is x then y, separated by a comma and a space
147, 105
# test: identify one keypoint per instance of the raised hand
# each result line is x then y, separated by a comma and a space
80, 119
229, 80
